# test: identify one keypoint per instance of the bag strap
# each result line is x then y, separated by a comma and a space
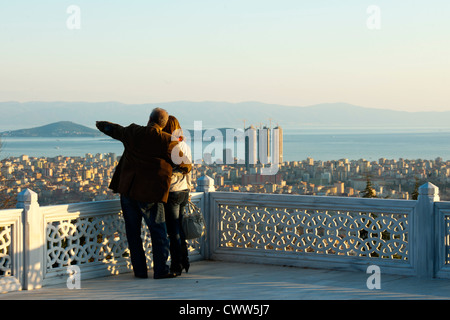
193, 206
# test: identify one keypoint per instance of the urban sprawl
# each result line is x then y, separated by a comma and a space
63, 179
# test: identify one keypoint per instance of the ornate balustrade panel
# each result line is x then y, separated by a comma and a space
447, 239
312, 228
89, 235
442, 238
5, 250
361, 234
11, 246
85, 240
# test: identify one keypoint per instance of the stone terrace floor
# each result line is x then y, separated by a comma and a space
215, 280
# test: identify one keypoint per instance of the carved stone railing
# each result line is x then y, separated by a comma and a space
332, 232
322, 232
88, 235
11, 254
39, 244
442, 238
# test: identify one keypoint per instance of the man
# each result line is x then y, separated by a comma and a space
142, 178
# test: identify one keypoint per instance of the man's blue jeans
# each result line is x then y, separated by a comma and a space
153, 214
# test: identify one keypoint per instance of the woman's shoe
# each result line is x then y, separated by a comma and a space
176, 270
186, 266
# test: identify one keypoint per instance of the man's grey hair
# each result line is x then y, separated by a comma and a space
159, 116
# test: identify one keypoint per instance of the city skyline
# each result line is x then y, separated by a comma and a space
377, 54
66, 179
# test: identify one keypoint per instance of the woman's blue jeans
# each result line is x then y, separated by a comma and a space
174, 209
153, 214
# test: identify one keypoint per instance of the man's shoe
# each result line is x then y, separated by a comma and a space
165, 276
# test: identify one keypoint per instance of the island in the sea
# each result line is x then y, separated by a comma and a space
57, 129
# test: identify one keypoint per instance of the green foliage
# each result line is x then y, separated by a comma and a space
415, 193
369, 192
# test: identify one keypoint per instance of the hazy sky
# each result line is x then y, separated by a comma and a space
291, 52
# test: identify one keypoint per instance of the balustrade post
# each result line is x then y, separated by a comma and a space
205, 184
424, 225
34, 240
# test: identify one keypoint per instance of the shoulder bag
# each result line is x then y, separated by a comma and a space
193, 222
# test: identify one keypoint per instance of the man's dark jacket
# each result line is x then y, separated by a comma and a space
145, 168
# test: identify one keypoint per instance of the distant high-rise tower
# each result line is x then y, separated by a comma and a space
280, 144
251, 147
264, 145
228, 156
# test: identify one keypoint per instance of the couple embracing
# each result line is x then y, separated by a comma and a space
153, 180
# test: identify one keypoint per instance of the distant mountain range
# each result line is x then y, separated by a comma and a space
16, 115
57, 129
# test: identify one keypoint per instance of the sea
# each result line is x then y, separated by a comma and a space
298, 145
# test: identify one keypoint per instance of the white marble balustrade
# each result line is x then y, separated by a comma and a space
38, 244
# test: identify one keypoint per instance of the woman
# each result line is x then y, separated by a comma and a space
178, 199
